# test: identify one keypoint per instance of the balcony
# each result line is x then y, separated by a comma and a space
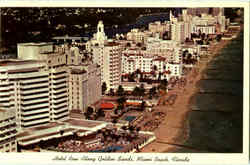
46, 109
26, 124
59, 80
35, 106
55, 87
60, 95
60, 110
5, 87
64, 104
61, 114
37, 85
34, 116
64, 99
35, 101
34, 91
5, 98
60, 90
57, 76
3, 104
7, 130
35, 80
7, 137
5, 124
36, 96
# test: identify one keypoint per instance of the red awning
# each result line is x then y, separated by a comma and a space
107, 106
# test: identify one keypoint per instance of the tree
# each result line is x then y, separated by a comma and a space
163, 84
138, 71
128, 44
111, 92
159, 76
131, 77
124, 127
121, 102
116, 111
143, 105
152, 92
136, 91
104, 88
218, 37
114, 121
203, 36
155, 68
141, 90
90, 110
131, 128
139, 44
120, 91
100, 112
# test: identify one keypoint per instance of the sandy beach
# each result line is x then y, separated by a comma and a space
173, 131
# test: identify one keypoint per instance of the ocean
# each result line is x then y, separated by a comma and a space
215, 119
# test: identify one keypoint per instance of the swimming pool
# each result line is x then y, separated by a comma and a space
130, 118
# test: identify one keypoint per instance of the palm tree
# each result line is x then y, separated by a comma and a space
136, 91
152, 91
111, 92
121, 102
142, 90
104, 87
120, 91
143, 105
155, 68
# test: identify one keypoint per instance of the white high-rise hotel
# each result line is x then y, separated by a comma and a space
24, 87
36, 85
84, 86
58, 77
107, 54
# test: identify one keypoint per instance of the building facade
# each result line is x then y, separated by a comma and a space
58, 76
108, 56
25, 87
149, 64
8, 131
84, 86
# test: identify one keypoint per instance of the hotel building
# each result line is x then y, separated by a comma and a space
108, 56
25, 87
84, 86
57, 75
147, 63
136, 35
8, 131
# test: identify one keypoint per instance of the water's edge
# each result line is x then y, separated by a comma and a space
215, 119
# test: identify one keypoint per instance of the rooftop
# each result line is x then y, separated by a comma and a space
83, 123
17, 62
36, 44
78, 71
107, 105
111, 44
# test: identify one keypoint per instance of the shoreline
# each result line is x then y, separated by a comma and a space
176, 125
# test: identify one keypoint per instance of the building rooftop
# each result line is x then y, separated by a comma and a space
36, 44
107, 105
17, 62
83, 123
78, 71
111, 44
